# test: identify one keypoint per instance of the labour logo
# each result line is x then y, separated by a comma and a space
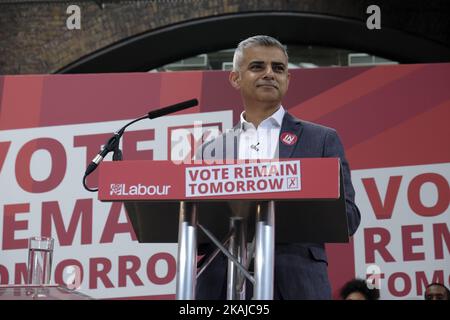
116, 189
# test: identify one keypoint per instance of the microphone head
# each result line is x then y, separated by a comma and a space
190, 103
173, 108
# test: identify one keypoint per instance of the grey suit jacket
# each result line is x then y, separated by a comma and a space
300, 268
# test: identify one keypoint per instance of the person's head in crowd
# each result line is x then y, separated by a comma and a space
357, 289
436, 291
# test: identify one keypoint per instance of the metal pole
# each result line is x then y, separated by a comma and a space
264, 251
238, 248
187, 252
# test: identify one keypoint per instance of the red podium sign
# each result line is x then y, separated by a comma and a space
306, 178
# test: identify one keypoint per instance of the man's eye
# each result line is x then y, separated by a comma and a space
279, 68
256, 67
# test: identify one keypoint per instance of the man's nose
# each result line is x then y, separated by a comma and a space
269, 72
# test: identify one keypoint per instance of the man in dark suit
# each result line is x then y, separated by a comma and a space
266, 130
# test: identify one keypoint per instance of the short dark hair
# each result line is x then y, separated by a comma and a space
259, 40
359, 285
439, 285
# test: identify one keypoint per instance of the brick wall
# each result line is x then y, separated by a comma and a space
34, 37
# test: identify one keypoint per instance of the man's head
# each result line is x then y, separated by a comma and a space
437, 291
260, 70
255, 41
357, 289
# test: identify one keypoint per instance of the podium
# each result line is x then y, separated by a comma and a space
286, 200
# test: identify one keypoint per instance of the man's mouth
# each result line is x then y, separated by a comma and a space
271, 85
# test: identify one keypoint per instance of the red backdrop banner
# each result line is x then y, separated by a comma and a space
393, 121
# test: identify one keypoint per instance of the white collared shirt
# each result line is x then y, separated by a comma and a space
261, 142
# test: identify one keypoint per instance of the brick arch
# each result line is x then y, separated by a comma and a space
34, 37
171, 43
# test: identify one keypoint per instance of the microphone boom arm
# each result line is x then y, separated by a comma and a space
113, 143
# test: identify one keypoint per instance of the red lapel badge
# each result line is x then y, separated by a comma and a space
288, 138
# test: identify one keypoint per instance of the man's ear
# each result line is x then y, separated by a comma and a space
234, 79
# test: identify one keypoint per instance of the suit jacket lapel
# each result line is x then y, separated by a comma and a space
291, 125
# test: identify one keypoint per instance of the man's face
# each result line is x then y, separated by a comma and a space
436, 293
263, 75
355, 296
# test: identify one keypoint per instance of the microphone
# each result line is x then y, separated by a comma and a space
172, 109
113, 142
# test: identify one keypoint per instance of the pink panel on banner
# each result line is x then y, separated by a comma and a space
21, 102
344, 93
100, 97
414, 141
390, 105
181, 86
